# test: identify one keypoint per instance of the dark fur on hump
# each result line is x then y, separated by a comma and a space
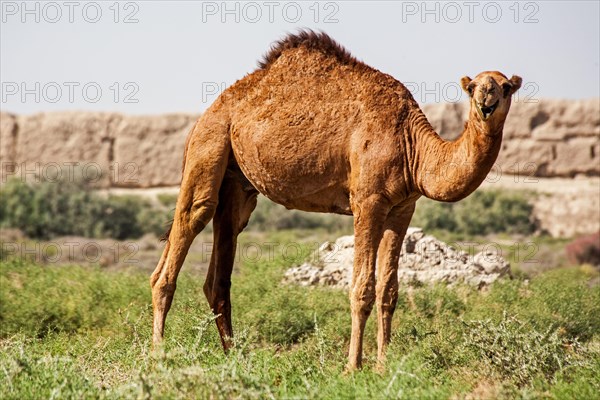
313, 40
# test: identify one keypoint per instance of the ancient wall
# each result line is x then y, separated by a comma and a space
130, 151
549, 138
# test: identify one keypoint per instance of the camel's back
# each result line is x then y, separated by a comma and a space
297, 119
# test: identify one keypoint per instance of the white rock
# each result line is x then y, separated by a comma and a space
424, 260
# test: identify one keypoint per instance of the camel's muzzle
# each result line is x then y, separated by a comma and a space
485, 112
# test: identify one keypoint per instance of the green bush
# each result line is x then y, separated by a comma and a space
279, 314
563, 298
168, 200
482, 213
432, 215
438, 299
567, 301
269, 216
48, 209
154, 220
516, 351
119, 217
39, 301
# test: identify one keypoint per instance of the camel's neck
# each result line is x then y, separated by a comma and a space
450, 171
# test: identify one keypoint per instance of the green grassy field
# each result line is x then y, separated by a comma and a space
81, 332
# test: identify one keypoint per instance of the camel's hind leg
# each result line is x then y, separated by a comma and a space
207, 154
236, 203
387, 274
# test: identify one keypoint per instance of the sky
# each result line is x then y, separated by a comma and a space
149, 57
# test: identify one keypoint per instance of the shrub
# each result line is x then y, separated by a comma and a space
517, 352
285, 320
48, 209
167, 199
431, 215
280, 314
154, 220
39, 301
484, 212
563, 297
271, 216
119, 217
585, 250
436, 300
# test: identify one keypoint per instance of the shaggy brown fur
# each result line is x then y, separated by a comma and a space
314, 129
310, 39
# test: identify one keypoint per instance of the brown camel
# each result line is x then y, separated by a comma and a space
315, 129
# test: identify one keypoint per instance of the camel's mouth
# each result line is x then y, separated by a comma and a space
486, 112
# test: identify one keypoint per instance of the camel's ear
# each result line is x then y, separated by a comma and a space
512, 85
465, 84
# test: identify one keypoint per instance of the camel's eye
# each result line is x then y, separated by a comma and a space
470, 88
506, 88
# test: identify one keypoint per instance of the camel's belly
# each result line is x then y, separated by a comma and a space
308, 173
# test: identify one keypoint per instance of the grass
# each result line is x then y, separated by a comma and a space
81, 332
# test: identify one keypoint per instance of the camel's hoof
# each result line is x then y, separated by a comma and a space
157, 352
157, 344
350, 369
228, 344
380, 367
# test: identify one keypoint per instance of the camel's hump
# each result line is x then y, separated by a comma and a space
313, 40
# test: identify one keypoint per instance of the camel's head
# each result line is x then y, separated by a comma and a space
490, 94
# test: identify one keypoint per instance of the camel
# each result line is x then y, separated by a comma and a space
315, 129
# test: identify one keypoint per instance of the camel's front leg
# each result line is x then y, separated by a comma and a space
369, 217
387, 274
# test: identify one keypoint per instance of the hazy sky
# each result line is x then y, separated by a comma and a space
159, 56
